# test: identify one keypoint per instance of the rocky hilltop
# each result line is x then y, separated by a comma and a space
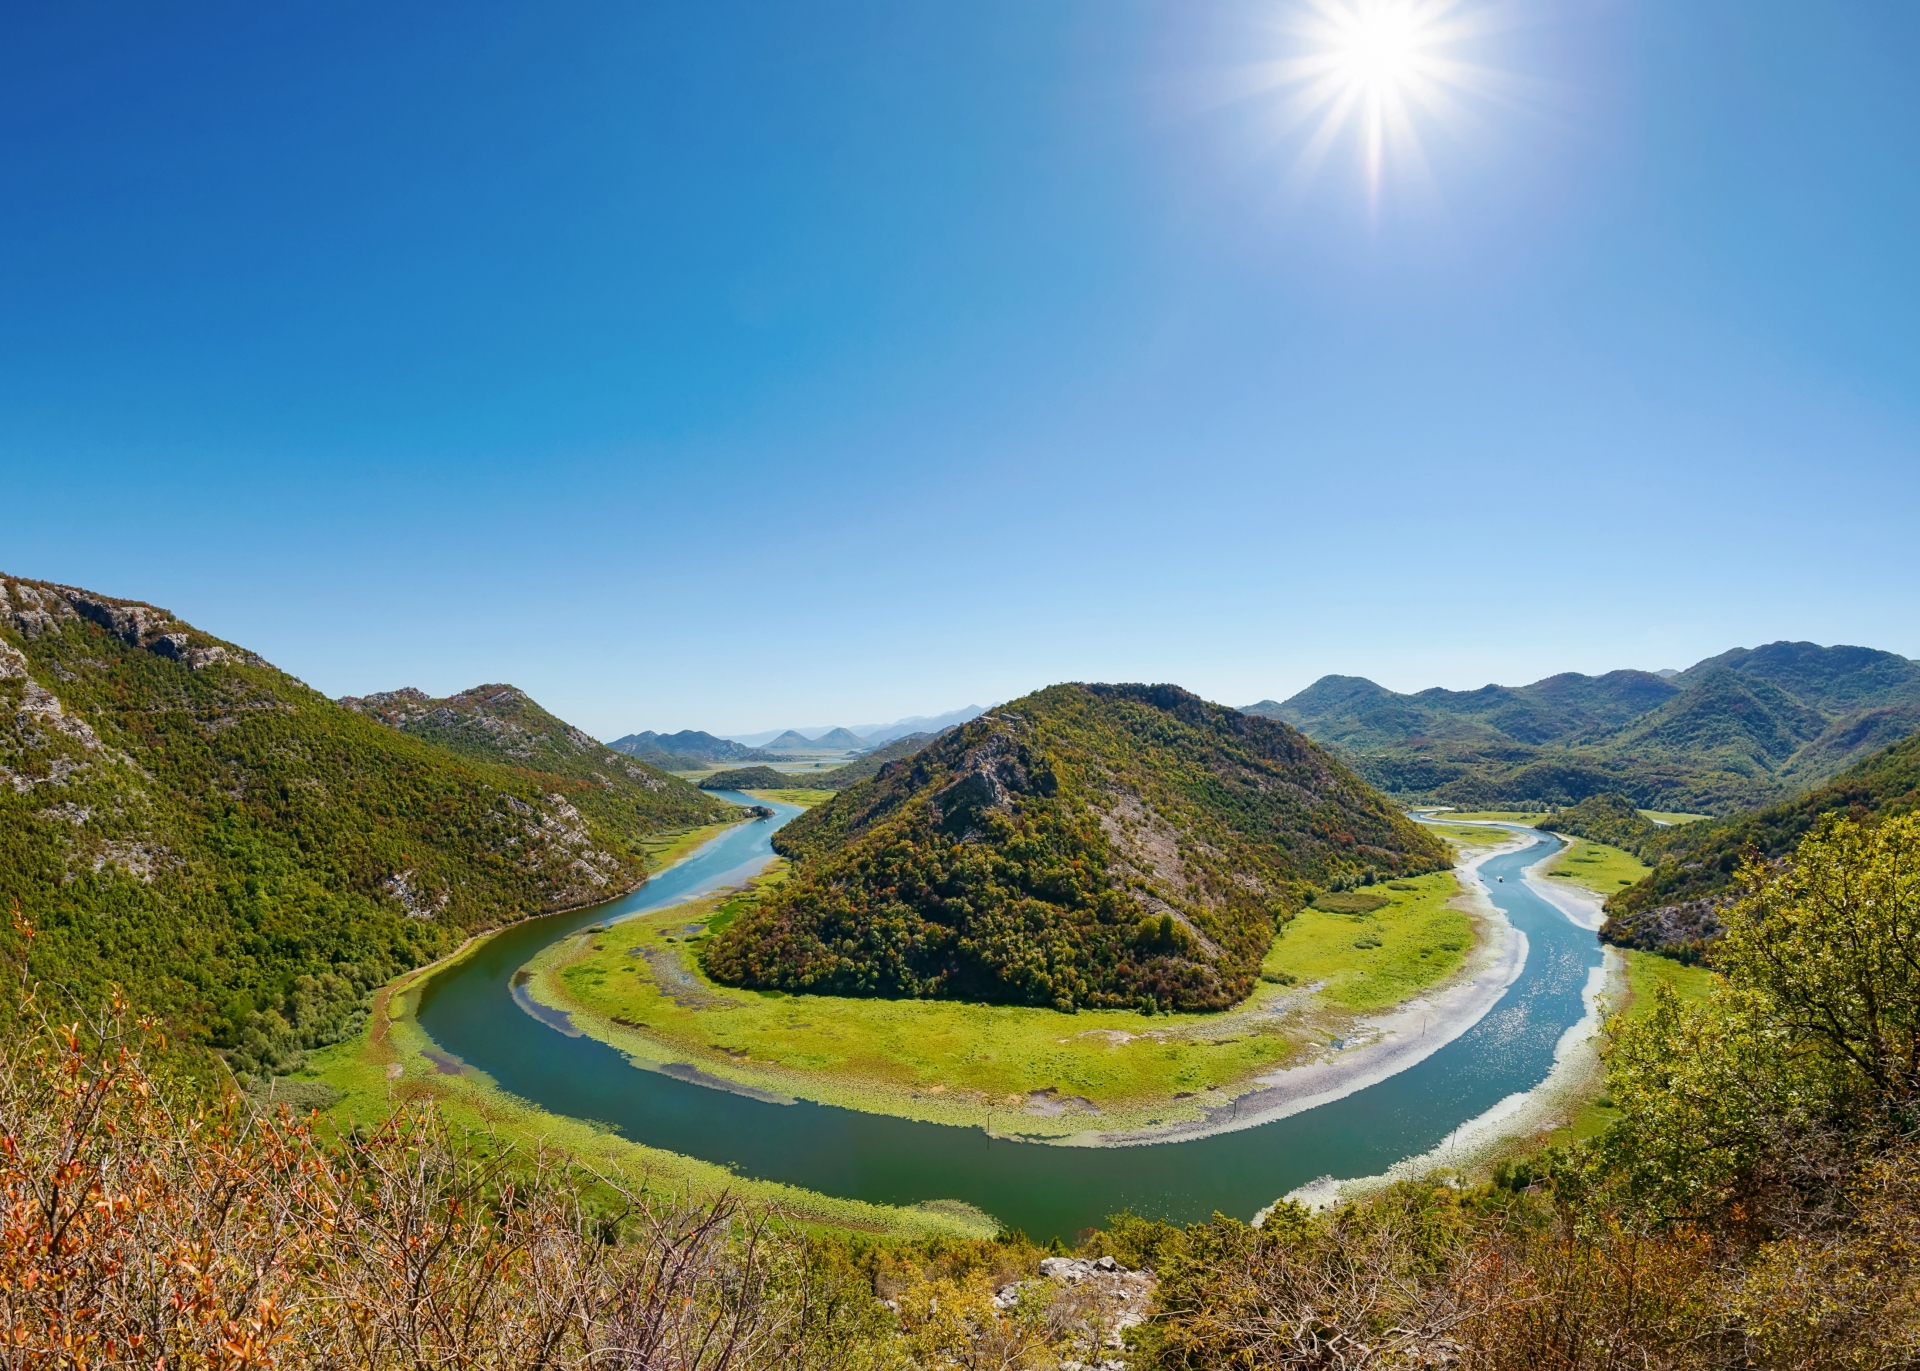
1087, 845
502, 724
247, 858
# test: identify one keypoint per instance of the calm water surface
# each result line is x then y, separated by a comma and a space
469, 1011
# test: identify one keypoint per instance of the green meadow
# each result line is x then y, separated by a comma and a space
795, 796
1528, 817
1471, 835
1664, 816
1596, 867
1370, 960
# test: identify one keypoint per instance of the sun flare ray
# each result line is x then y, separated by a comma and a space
1372, 71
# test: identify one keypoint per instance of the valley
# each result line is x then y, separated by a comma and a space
1182, 944
820, 692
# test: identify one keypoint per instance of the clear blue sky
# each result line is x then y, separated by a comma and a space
741, 365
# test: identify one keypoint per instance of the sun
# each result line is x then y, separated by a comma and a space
1374, 69
1378, 47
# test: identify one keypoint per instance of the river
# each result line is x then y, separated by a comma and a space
1046, 1190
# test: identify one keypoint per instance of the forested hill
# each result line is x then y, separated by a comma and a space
1736, 731
1608, 818
1677, 907
502, 724
247, 858
1087, 845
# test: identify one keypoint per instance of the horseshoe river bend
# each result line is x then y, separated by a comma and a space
472, 1010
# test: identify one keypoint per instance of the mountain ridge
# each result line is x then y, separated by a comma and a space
1733, 731
687, 750
502, 724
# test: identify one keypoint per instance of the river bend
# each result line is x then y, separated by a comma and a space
469, 1011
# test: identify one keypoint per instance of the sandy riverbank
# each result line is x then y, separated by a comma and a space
1551, 1104
1481, 1141
1378, 1046
1579, 904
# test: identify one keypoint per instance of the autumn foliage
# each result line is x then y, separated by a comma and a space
138, 1235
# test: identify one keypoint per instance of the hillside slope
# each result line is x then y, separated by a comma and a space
246, 858
501, 724
1676, 909
1087, 845
1733, 732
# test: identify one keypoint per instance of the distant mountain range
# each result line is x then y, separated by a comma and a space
870, 735
839, 778
833, 740
692, 750
687, 750
876, 734
1735, 731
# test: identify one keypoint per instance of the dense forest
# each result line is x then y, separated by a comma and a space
1680, 906
1734, 732
249, 859
1086, 845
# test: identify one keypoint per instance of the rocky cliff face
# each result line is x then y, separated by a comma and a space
38, 607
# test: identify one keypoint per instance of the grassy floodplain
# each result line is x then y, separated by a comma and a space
667, 848
1526, 817
1470, 836
1596, 867
1373, 959
1015, 1069
795, 795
